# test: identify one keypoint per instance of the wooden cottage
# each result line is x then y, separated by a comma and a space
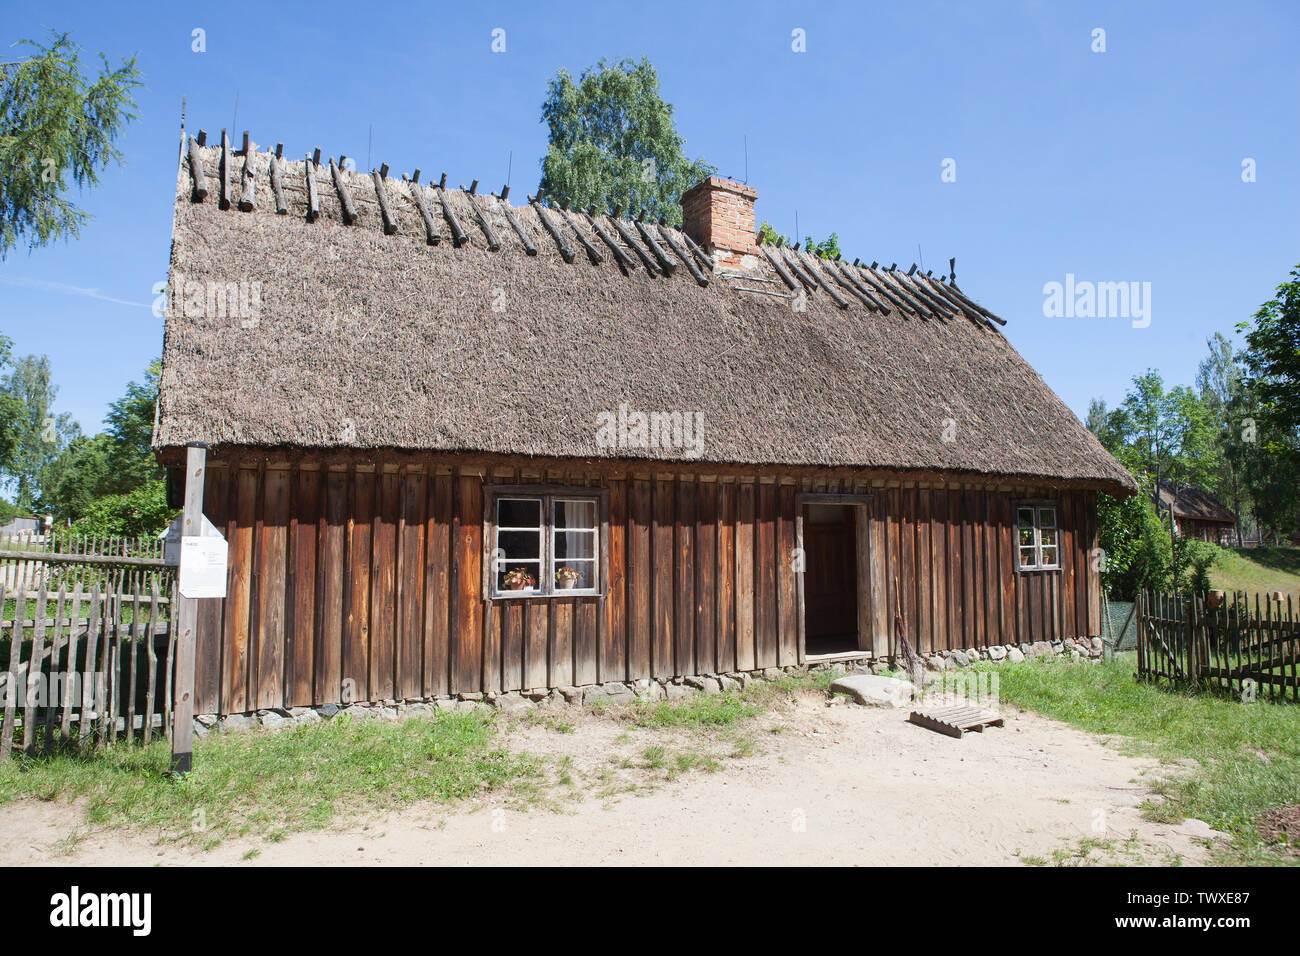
1198, 514
459, 446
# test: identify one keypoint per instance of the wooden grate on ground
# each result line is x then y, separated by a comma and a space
955, 721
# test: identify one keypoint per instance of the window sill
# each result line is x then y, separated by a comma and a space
544, 595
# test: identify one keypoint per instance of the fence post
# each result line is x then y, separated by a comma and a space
1193, 655
185, 619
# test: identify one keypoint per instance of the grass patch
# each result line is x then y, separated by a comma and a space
696, 712
1248, 754
269, 784
1257, 569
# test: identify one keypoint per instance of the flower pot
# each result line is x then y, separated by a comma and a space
566, 583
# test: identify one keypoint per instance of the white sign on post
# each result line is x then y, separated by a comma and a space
203, 563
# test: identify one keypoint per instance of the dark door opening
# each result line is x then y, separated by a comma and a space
830, 578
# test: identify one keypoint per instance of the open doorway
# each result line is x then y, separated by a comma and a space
830, 543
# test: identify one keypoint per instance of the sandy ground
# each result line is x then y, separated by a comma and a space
820, 785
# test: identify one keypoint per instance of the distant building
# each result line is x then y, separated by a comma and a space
21, 524
1198, 514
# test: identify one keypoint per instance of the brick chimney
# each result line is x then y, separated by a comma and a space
719, 215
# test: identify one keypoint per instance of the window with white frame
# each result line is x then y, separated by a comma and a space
545, 545
1039, 537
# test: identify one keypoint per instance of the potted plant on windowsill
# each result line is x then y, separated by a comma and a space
567, 577
518, 580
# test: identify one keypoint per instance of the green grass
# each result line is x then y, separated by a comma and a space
268, 784
1257, 569
1248, 753
697, 712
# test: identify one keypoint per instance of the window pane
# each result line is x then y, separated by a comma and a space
575, 573
574, 514
1047, 536
519, 512
1027, 557
573, 544
1027, 537
1025, 517
1049, 557
519, 544
522, 577
1047, 517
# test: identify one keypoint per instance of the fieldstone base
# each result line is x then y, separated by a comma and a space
648, 689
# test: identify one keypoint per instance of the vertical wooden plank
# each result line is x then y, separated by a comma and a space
726, 576
236, 669
271, 603
383, 588
746, 616
639, 583
437, 584
414, 495
15, 684
467, 630
907, 563
333, 527
356, 647
536, 644
684, 578
786, 586
706, 564
614, 634
561, 665
664, 521
924, 563
979, 539
303, 527
765, 610
585, 641
208, 629
1094, 579
1067, 532
511, 614
90, 691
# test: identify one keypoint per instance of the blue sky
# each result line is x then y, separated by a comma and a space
1120, 166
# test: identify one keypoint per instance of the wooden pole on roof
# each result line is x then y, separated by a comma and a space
630, 239
385, 210
458, 237
223, 200
592, 252
313, 197
431, 235
277, 184
781, 270
696, 251
844, 274
869, 278
529, 246
185, 620
565, 249
815, 271
248, 179
200, 192
493, 242
684, 254
345, 196
665, 263
623, 259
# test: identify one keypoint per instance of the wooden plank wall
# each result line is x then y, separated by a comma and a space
362, 581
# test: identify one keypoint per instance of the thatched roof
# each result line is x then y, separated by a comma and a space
1196, 504
371, 340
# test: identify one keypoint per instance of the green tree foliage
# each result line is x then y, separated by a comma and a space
11, 409
57, 128
828, 248
41, 435
613, 142
140, 511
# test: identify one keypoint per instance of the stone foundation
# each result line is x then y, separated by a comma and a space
625, 692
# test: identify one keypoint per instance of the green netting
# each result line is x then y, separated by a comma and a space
1119, 625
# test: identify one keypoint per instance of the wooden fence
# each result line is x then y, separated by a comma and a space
80, 562
1245, 647
82, 667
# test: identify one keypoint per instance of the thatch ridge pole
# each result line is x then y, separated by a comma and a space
626, 261
224, 196
950, 290
903, 279
797, 268
493, 242
922, 305
458, 237
953, 301
527, 240
277, 186
200, 191
431, 235
845, 276
630, 239
248, 179
592, 252
781, 270
683, 254
865, 274
815, 271
313, 197
665, 263
385, 210
697, 251
186, 620
565, 250
345, 196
